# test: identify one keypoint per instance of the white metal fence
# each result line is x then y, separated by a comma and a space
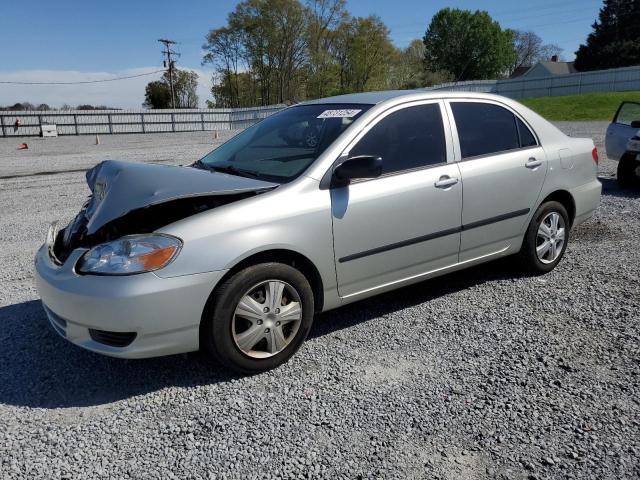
91, 122
613, 80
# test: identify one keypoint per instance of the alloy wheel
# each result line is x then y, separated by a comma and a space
550, 238
267, 319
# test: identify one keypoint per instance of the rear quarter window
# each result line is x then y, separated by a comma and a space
527, 139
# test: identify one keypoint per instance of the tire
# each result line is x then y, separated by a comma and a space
627, 173
270, 338
532, 261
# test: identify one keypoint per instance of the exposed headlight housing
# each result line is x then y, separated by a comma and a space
129, 255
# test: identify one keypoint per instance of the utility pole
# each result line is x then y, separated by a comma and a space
169, 64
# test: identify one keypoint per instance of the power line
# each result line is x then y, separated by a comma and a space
8, 82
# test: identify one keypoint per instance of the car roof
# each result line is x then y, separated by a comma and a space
374, 98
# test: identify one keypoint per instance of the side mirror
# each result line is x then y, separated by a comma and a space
361, 166
635, 124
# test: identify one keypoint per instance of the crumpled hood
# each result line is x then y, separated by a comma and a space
119, 187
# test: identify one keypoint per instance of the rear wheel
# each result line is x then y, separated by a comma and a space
258, 318
628, 173
546, 239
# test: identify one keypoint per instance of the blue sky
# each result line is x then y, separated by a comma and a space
68, 40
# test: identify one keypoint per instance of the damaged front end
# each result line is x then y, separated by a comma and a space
136, 198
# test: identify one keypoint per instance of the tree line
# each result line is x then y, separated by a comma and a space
285, 51
43, 107
278, 51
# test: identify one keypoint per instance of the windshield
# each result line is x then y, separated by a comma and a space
283, 145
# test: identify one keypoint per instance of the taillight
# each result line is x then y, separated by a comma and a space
594, 154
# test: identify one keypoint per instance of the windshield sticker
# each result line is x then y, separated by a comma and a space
339, 113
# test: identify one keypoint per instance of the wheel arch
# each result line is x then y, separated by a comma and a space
566, 199
288, 257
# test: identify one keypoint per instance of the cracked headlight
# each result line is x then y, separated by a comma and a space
129, 255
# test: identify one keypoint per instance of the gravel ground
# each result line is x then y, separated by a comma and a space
479, 374
73, 154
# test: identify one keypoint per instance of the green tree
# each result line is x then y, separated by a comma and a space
324, 17
362, 50
407, 67
470, 45
283, 51
274, 45
264, 48
233, 90
185, 83
615, 40
225, 52
157, 95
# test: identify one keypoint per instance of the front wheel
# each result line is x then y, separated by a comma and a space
546, 239
258, 318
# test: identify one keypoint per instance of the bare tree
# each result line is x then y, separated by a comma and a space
225, 51
324, 18
530, 49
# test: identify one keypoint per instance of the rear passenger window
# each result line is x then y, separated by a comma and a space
484, 128
409, 138
526, 137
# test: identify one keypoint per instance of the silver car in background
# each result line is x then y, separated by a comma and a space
622, 143
320, 205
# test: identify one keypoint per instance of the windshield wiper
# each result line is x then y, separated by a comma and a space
233, 170
225, 169
199, 164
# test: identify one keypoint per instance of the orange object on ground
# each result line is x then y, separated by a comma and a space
23, 146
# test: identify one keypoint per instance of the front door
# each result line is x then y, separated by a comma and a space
620, 131
407, 222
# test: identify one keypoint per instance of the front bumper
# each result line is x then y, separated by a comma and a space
163, 313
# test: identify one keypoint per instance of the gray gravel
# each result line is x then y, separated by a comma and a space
479, 374
71, 153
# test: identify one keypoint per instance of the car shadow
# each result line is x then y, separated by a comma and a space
611, 188
41, 370
412, 295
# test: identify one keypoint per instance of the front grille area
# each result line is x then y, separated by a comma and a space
112, 339
70, 237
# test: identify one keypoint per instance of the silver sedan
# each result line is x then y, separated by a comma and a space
237, 252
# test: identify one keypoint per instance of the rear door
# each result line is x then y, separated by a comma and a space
407, 222
503, 168
620, 131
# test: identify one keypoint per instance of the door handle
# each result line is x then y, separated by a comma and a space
533, 163
445, 181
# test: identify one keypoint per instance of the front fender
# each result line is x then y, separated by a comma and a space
295, 217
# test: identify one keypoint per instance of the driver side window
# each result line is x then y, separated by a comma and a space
406, 139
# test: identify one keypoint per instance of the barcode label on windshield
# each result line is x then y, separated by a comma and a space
339, 113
